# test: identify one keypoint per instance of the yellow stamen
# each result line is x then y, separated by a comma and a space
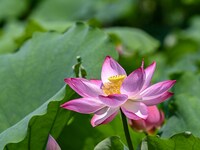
113, 87
116, 78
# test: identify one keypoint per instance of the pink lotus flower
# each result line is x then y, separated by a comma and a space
52, 144
154, 120
132, 94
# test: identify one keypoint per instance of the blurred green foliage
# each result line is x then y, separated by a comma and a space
179, 141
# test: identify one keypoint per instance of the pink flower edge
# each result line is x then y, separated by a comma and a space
52, 144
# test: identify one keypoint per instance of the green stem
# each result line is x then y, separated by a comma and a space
126, 131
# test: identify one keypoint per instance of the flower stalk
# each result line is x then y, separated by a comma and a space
126, 131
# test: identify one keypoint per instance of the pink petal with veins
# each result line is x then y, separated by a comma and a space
102, 110
96, 82
83, 105
135, 110
110, 68
114, 100
149, 71
158, 88
105, 117
133, 83
154, 100
84, 87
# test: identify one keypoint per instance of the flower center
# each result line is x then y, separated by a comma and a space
113, 87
